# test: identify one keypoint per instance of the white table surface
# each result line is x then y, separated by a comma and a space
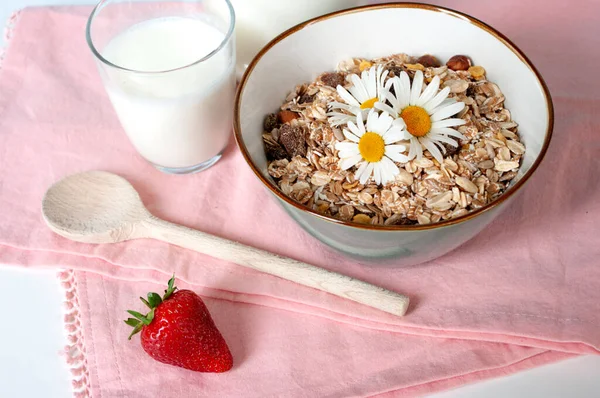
31, 334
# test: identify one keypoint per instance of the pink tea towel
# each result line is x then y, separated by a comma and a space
522, 293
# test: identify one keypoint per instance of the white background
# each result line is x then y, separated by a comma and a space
31, 333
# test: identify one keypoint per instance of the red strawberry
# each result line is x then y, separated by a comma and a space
179, 331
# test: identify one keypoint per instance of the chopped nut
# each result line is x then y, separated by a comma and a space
287, 116
459, 62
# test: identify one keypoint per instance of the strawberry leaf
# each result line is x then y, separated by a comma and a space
135, 330
137, 315
170, 289
146, 302
132, 322
154, 300
150, 316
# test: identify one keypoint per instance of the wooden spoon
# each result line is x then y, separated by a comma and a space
100, 207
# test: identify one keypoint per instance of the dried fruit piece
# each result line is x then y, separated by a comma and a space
273, 149
270, 122
429, 61
477, 72
287, 116
333, 79
292, 139
364, 65
459, 62
362, 219
395, 70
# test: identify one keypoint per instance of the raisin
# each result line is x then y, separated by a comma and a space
292, 139
451, 150
395, 70
306, 98
333, 79
270, 122
405, 221
275, 151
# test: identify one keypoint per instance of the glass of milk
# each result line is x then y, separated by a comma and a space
260, 21
169, 70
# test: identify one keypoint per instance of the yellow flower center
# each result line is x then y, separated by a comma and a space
368, 104
371, 147
417, 120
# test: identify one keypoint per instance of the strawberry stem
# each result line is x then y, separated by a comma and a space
154, 300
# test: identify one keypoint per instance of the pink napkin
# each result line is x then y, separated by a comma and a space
522, 293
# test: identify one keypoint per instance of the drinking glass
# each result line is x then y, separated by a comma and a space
169, 71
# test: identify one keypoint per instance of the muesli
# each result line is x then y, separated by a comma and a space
396, 140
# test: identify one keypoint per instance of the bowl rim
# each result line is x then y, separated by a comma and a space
416, 227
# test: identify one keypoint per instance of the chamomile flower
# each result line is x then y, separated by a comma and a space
366, 90
370, 147
426, 114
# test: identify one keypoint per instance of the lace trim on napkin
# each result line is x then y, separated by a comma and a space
75, 349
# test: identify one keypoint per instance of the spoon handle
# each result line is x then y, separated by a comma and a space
286, 268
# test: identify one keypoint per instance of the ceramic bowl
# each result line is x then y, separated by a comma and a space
300, 54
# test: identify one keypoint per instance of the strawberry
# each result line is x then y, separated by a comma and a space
179, 331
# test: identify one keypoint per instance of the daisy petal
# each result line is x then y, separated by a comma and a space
346, 146
386, 108
391, 170
418, 148
436, 101
447, 123
441, 138
354, 129
349, 136
372, 121
359, 90
370, 80
361, 170
377, 172
403, 91
367, 173
384, 124
433, 150
360, 124
349, 162
447, 111
394, 135
448, 132
429, 92
346, 96
417, 86
396, 155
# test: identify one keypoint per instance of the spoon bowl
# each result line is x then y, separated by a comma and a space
93, 207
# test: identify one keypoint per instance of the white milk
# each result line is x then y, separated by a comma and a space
175, 119
259, 21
